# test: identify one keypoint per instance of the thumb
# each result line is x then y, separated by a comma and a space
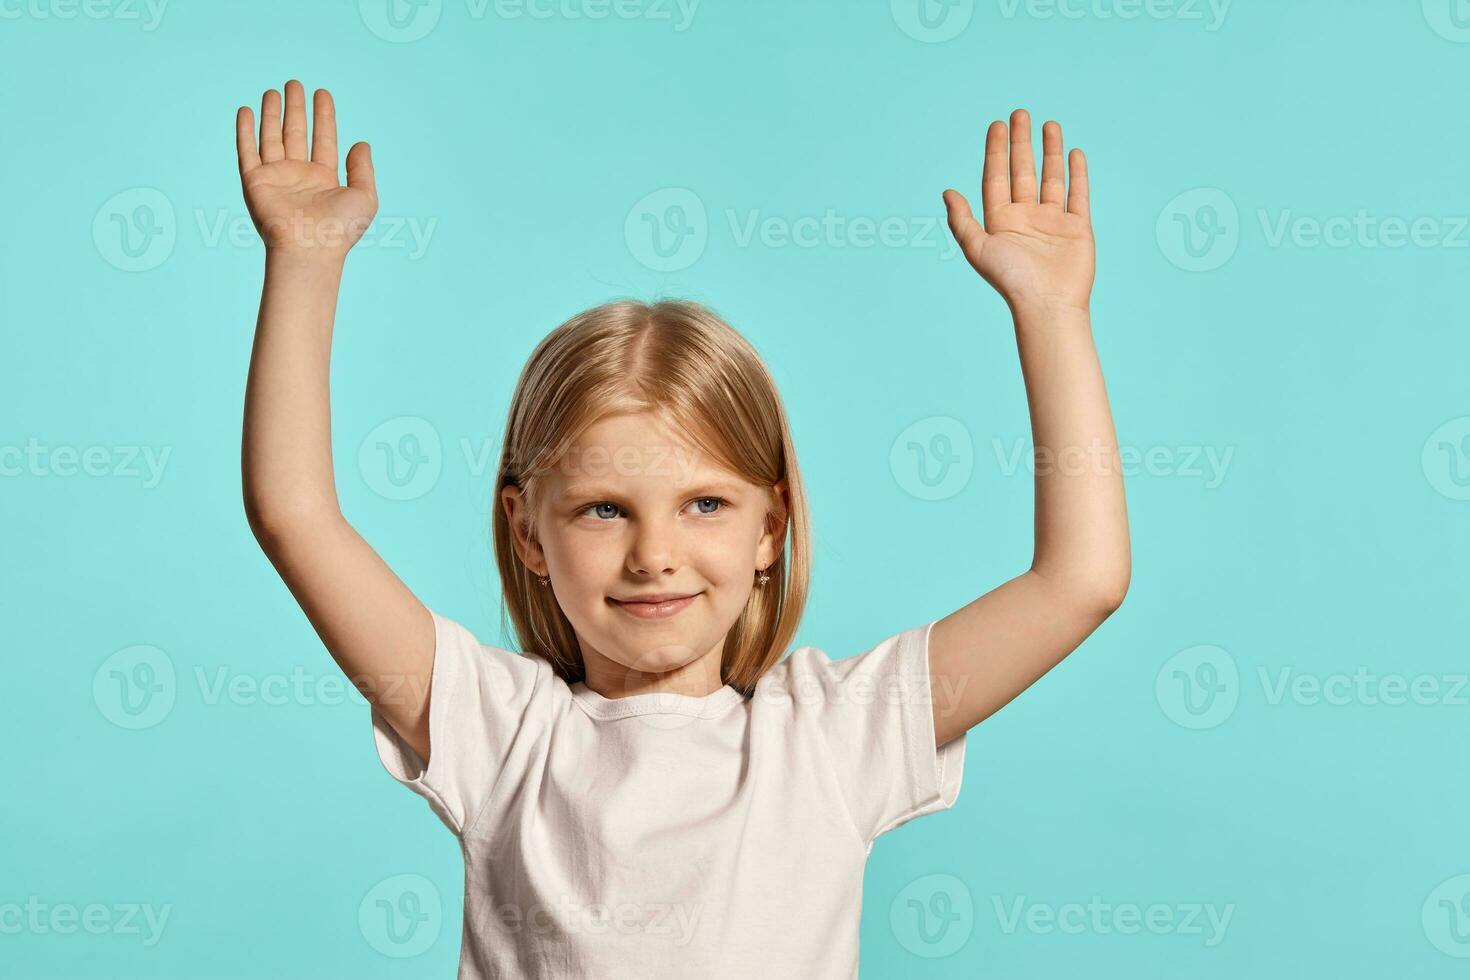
962, 223
360, 169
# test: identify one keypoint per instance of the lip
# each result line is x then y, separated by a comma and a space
654, 610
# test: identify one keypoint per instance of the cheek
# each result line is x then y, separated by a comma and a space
585, 559
726, 558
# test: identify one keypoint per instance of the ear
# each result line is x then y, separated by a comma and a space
518, 513
775, 528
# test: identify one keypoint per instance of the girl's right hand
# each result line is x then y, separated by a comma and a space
295, 201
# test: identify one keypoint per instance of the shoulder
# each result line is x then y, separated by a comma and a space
460, 655
889, 655
810, 678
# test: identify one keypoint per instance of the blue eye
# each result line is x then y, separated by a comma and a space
603, 515
718, 500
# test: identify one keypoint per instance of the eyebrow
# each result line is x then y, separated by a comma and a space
590, 491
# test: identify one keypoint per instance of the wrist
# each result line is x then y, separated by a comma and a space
314, 259
1049, 311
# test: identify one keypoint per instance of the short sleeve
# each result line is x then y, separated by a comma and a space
478, 705
876, 717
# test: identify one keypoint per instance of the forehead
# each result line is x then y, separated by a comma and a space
637, 452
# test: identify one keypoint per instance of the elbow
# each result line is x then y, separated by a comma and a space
271, 521
265, 520
1109, 590
1109, 593
257, 518
1099, 592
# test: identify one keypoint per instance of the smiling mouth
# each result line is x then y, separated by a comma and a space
654, 610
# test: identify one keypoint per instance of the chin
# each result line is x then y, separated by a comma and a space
654, 657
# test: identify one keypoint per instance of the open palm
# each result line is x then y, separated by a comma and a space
1035, 249
296, 201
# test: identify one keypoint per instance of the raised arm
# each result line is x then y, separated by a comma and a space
375, 629
1037, 251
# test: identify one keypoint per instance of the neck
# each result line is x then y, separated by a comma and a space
611, 679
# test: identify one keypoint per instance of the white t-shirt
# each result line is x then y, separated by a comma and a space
670, 836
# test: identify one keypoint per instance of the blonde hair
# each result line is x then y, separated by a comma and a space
679, 360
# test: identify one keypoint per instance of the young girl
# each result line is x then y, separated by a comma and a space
649, 789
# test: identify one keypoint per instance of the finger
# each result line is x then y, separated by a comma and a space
962, 223
324, 130
245, 140
1053, 183
1078, 201
1023, 164
360, 168
995, 184
294, 130
271, 149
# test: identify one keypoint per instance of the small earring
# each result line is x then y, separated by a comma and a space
763, 577
543, 580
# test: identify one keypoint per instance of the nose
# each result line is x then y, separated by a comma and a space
655, 547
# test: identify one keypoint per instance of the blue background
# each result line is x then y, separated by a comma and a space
1155, 766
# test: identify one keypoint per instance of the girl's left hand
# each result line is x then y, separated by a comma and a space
1037, 253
